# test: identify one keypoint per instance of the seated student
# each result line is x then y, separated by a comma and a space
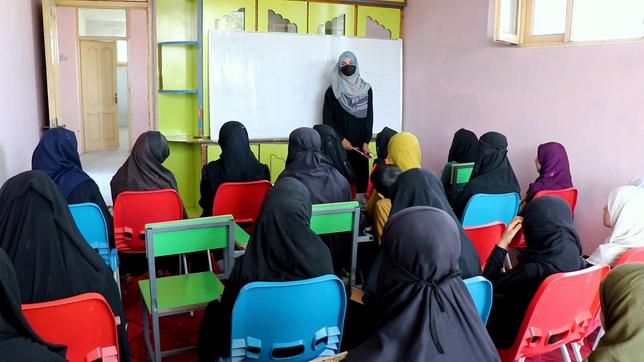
419, 187
624, 215
382, 142
424, 311
462, 150
282, 248
57, 156
306, 163
143, 169
637, 181
554, 170
553, 246
492, 172
50, 256
332, 149
622, 298
237, 163
18, 341
383, 179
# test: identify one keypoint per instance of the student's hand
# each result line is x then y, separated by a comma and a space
365, 149
346, 144
510, 232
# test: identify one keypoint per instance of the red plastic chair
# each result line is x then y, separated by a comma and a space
633, 255
484, 237
134, 209
561, 312
569, 194
84, 323
243, 200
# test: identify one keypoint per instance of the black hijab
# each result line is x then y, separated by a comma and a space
237, 163
306, 163
419, 187
463, 147
51, 258
552, 242
382, 141
425, 312
143, 170
492, 172
18, 341
332, 149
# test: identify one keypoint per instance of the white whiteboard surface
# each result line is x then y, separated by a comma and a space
275, 82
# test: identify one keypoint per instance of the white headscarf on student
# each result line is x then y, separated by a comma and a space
626, 210
637, 181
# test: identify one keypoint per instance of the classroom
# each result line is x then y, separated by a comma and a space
322, 180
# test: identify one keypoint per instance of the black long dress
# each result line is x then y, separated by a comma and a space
355, 130
18, 341
237, 163
282, 248
553, 246
51, 258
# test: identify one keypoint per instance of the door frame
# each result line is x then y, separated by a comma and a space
51, 53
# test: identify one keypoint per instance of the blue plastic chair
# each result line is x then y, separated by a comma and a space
92, 225
483, 209
288, 321
481, 291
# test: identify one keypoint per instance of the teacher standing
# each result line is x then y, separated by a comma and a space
348, 108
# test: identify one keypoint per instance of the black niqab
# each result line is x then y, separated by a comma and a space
306, 163
492, 172
332, 149
237, 163
51, 258
463, 147
425, 312
18, 341
419, 187
382, 143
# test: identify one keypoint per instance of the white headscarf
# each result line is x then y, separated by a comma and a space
637, 181
626, 210
351, 91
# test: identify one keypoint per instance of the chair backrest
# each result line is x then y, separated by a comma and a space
561, 311
484, 238
632, 255
92, 225
243, 200
134, 209
288, 321
461, 173
335, 217
481, 291
83, 323
483, 209
569, 194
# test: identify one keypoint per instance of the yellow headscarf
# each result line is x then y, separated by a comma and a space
404, 151
622, 300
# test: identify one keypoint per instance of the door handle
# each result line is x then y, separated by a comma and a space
116, 98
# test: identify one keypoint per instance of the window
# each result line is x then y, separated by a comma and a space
102, 22
559, 21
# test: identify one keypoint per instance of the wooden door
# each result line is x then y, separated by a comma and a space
98, 93
50, 35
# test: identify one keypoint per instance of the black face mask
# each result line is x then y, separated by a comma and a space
348, 70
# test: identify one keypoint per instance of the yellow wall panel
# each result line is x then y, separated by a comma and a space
319, 13
293, 10
387, 17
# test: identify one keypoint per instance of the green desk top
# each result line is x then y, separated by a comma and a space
179, 292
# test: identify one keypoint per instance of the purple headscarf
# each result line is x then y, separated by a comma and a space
555, 169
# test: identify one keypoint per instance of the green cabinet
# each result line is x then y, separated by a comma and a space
379, 22
332, 19
285, 16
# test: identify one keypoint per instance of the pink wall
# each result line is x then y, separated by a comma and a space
22, 84
70, 101
587, 97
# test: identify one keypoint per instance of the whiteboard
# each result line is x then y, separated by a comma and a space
275, 82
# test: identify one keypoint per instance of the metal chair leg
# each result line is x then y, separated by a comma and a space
600, 334
564, 353
576, 349
146, 330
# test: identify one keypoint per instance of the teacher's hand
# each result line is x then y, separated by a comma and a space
365, 149
346, 144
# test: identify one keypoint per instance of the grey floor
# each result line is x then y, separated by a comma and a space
102, 165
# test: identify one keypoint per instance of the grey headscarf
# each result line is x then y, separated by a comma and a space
351, 91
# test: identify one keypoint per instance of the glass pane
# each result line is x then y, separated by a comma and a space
549, 17
375, 30
235, 21
102, 22
606, 20
121, 51
333, 27
278, 23
508, 16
